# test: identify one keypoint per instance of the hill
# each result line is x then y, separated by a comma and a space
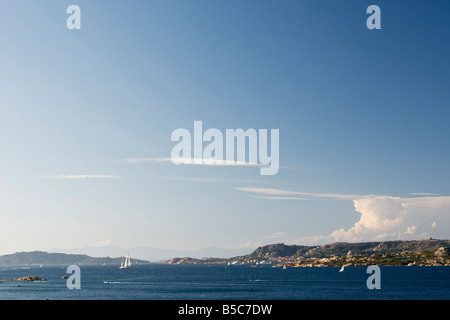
41, 257
420, 252
342, 248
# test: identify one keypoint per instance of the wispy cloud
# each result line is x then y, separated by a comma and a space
276, 235
106, 242
196, 179
280, 198
282, 192
195, 161
249, 244
216, 180
80, 176
424, 194
144, 160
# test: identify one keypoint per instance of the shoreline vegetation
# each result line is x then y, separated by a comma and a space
430, 252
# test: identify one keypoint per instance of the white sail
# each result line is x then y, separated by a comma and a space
342, 269
127, 263
128, 260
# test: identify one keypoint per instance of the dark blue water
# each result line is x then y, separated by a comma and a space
218, 282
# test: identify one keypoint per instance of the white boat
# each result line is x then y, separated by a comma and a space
284, 267
127, 263
342, 269
234, 263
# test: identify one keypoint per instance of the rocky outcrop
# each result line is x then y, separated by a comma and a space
441, 252
277, 250
29, 278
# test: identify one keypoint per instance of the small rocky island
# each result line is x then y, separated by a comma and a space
29, 278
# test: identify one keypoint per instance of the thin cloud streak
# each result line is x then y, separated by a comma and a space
80, 176
280, 198
206, 162
424, 194
281, 192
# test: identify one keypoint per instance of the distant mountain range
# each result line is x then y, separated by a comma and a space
154, 254
273, 253
40, 257
103, 254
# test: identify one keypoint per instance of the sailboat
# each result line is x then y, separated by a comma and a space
342, 269
127, 263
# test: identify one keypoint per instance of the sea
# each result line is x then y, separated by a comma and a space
223, 282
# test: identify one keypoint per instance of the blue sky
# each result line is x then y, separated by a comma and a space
363, 119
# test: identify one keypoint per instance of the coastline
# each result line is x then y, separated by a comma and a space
429, 252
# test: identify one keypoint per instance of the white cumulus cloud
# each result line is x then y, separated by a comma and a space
388, 218
382, 217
